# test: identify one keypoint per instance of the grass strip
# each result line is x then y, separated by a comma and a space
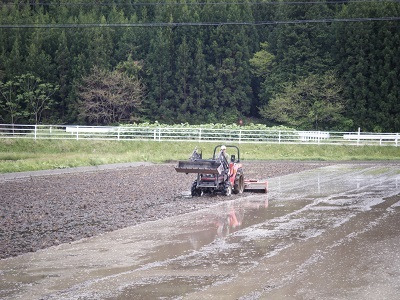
18, 155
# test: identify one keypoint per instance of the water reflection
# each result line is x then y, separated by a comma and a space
229, 218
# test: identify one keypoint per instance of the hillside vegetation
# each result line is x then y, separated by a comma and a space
111, 62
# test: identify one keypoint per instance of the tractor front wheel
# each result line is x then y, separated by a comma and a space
195, 191
228, 189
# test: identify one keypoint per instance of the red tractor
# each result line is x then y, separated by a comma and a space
221, 174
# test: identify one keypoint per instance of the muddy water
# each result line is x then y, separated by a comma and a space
329, 233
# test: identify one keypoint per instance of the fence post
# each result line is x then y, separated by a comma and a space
118, 133
155, 134
199, 134
77, 132
358, 138
279, 137
35, 131
159, 134
397, 137
240, 136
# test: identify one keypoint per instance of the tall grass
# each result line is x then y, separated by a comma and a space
28, 155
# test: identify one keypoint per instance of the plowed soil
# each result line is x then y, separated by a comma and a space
41, 211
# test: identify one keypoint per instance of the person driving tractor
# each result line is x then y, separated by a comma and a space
223, 152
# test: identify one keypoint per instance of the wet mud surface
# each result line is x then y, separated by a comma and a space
331, 232
37, 212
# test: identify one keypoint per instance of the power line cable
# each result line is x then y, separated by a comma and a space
184, 24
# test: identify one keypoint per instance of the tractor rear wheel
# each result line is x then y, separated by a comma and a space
239, 184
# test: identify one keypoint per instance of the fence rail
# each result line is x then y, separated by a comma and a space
123, 133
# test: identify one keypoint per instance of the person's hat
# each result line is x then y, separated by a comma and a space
223, 147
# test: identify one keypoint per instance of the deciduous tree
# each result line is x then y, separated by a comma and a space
10, 104
109, 97
36, 94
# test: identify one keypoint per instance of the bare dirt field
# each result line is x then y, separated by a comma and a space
37, 212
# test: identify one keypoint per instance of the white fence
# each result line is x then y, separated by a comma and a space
196, 134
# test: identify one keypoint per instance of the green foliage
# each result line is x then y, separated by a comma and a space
203, 74
314, 102
232, 126
36, 95
262, 61
298, 50
26, 97
130, 67
10, 104
367, 60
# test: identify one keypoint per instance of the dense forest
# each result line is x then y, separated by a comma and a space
326, 65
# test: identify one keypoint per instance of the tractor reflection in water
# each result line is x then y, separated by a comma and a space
229, 222
228, 219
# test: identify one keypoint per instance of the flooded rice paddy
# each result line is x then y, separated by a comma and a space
327, 233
